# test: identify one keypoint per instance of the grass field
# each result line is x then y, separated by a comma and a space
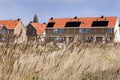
76, 61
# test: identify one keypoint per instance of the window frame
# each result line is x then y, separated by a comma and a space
55, 31
88, 30
61, 31
82, 30
110, 30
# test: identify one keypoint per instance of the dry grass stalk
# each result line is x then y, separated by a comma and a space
78, 61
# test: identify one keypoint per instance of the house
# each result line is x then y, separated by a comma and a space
12, 31
87, 29
36, 31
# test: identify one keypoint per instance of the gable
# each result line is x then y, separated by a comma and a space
20, 29
40, 28
30, 27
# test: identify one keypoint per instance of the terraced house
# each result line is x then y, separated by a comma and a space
36, 31
12, 31
87, 29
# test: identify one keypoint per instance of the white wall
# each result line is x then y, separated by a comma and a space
117, 32
42, 37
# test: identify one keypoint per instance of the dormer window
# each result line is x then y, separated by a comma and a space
100, 23
72, 24
50, 24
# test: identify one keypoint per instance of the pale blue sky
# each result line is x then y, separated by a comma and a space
25, 9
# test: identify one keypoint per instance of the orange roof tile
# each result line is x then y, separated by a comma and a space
40, 28
86, 22
10, 24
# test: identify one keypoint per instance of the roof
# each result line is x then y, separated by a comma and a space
40, 27
9, 24
86, 22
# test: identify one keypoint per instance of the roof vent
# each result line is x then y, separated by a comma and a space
30, 21
75, 17
102, 16
44, 23
18, 19
51, 18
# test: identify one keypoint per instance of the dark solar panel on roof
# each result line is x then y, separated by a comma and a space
50, 24
72, 24
100, 23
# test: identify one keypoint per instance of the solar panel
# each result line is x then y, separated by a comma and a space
50, 24
100, 23
72, 24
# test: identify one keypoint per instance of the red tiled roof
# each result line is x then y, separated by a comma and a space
86, 22
9, 24
40, 28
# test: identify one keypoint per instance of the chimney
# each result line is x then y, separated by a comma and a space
44, 23
75, 17
30, 21
18, 19
102, 16
51, 18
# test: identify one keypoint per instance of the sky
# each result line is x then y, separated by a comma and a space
45, 9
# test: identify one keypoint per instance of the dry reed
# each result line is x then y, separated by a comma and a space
76, 61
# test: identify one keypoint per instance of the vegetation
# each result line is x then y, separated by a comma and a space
76, 61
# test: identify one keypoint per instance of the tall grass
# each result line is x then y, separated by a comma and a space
76, 61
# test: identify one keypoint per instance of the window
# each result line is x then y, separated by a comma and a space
54, 38
100, 23
72, 24
61, 31
4, 31
55, 31
50, 24
81, 30
88, 30
110, 30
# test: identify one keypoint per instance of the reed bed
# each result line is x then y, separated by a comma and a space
76, 61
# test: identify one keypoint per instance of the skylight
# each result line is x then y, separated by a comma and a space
100, 23
72, 24
50, 24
